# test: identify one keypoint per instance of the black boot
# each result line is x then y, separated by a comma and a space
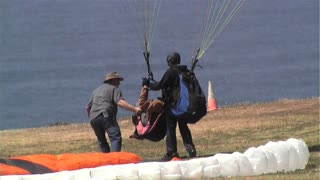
169, 156
191, 151
104, 148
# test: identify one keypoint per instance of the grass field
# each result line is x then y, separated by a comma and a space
229, 129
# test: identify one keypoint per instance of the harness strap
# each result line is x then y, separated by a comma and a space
155, 122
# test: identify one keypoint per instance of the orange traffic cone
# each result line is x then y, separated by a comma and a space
212, 103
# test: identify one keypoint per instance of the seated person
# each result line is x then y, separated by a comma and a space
148, 124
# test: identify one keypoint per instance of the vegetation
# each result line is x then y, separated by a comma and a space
229, 129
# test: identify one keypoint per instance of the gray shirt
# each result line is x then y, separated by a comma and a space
104, 100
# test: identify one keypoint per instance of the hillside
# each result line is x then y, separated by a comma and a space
229, 129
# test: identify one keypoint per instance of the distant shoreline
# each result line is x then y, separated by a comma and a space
125, 118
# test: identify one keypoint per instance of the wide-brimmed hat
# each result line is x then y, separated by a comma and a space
113, 75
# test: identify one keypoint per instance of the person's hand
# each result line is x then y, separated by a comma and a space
138, 110
145, 82
88, 108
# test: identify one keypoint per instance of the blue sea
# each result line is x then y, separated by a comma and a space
53, 53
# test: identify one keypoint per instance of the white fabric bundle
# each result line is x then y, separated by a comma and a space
285, 156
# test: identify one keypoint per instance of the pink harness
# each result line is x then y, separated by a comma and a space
143, 129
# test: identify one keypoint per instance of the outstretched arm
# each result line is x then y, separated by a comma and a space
125, 105
166, 79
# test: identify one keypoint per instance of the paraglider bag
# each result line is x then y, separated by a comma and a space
191, 103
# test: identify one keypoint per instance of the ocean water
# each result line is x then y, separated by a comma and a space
54, 53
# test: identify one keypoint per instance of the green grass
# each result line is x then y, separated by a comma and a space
229, 129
